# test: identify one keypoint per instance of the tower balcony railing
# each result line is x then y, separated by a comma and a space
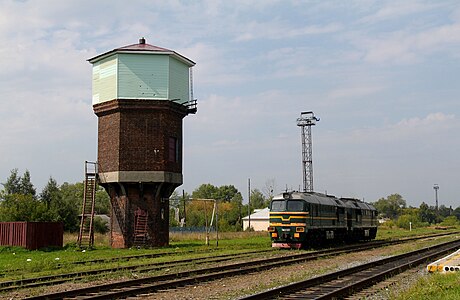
192, 106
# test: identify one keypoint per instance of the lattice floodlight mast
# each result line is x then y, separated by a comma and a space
436, 188
306, 120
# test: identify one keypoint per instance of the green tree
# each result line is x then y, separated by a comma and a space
407, 220
450, 221
209, 191
427, 214
444, 211
205, 191
16, 184
27, 188
258, 200
50, 192
227, 193
72, 197
18, 200
457, 212
18, 207
100, 225
102, 204
390, 207
230, 205
13, 183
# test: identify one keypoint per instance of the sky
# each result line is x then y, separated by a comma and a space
382, 76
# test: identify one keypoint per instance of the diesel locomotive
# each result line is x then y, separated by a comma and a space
307, 219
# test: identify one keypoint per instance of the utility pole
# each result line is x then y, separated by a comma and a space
306, 120
249, 203
183, 198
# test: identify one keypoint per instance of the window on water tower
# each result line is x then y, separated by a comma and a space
173, 153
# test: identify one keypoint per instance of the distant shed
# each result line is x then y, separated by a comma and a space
259, 220
31, 235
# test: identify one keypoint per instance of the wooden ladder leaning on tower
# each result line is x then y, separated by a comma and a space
86, 235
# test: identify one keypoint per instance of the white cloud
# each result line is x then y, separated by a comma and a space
366, 68
407, 131
409, 43
278, 30
396, 10
354, 92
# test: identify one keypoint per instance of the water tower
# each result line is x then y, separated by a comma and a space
141, 93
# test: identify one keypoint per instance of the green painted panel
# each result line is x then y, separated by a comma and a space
105, 80
178, 81
143, 76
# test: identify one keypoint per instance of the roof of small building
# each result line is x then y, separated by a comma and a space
259, 214
144, 48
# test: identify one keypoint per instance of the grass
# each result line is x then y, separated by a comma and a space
435, 286
19, 262
384, 232
12, 258
22, 263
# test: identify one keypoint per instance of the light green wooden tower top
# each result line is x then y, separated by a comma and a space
142, 71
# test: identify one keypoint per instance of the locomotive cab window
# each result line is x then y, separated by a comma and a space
278, 205
295, 205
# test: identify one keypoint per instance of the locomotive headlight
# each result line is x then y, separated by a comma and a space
274, 235
300, 229
296, 235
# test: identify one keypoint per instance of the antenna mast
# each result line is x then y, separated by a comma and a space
306, 120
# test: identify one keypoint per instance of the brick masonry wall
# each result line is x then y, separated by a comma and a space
133, 135
109, 142
151, 198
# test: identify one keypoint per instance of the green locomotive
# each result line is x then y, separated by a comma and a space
302, 219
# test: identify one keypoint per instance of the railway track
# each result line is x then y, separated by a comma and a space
337, 285
138, 268
121, 259
154, 283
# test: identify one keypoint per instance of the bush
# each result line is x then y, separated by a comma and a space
405, 220
100, 225
450, 221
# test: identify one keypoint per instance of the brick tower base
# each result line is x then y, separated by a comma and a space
128, 199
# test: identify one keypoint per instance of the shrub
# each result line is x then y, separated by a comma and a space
450, 221
405, 220
100, 225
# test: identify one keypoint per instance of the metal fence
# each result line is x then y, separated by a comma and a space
191, 229
31, 235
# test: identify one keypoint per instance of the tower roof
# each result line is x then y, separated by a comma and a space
143, 48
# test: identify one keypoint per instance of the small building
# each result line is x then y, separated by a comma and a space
259, 220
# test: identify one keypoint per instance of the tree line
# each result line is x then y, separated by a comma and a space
195, 211
19, 201
394, 208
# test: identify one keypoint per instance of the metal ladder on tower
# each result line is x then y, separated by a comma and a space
86, 235
140, 227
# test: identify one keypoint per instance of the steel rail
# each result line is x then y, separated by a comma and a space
343, 283
140, 268
142, 285
125, 258
62, 278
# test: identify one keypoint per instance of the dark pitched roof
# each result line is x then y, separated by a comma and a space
144, 48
